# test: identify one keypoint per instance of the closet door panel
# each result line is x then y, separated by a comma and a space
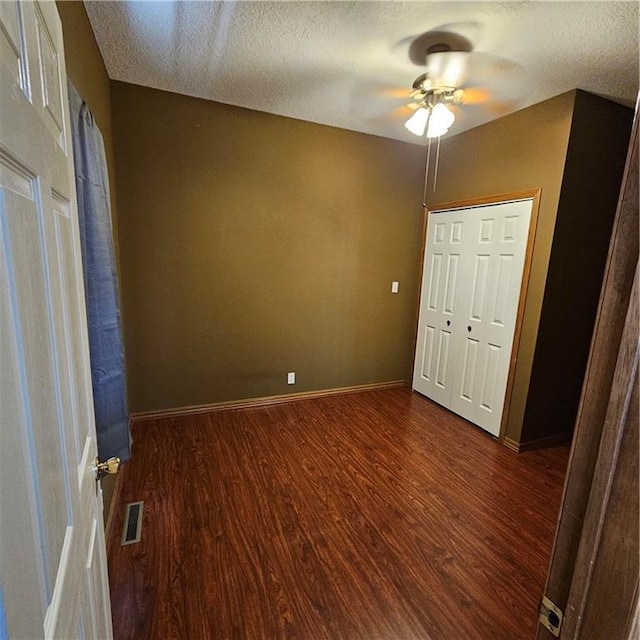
436, 350
492, 263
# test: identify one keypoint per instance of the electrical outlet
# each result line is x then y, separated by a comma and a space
291, 377
395, 286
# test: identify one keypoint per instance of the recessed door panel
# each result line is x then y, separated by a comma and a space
469, 368
444, 343
456, 231
434, 283
479, 291
22, 219
427, 356
78, 410
489, 378
49, 72
486, 231
451, 283
12, 44
501, 305
510, 229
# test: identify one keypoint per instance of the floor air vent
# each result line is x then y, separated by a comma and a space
132, 523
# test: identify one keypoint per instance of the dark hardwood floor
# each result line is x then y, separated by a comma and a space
368, 516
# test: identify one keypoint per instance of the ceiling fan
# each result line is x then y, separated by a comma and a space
456, 81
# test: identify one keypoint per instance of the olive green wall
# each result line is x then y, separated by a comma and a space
524, 150
87, 72
253, 245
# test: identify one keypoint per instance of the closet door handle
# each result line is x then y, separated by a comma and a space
448, 323
469, 328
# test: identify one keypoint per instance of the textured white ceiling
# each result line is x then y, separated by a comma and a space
338, 63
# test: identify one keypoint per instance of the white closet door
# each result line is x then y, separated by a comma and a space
474, 261
434, 365
494, 254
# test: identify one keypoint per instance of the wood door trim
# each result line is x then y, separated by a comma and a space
260, 402
494, 199
517, 333
115, 499
534, 195
624, 382
633, 625
423, 249
540, 443
607, 333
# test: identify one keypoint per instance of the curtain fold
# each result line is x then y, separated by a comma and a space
100, 283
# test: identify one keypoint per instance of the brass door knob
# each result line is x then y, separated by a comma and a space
102, 469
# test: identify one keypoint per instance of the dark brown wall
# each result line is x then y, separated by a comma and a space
591, 184
253, 245
87, 72
524, 150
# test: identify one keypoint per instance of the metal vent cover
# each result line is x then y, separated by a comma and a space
132, 528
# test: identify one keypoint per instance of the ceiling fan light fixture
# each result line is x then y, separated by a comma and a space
417, 123
440, 121
439, 117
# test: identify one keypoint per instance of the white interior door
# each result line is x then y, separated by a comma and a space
474, 262
52, 551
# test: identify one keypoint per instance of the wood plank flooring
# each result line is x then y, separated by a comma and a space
368, 516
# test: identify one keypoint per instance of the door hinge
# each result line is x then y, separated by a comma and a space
550, 616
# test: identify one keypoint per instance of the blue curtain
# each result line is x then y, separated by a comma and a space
4, 634
100, 283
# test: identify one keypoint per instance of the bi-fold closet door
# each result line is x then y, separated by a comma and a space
472, 277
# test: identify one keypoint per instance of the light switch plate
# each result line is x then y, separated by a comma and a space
291, 377
395, 286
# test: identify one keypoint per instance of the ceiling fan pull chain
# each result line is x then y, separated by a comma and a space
435, 171
426, 169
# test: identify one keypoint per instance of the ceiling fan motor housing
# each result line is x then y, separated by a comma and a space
424, 89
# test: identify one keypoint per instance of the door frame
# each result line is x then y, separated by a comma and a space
534, 195
566, 585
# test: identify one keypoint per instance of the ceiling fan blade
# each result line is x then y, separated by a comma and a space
461, 68
393, 119
376, 99
475, 96
395, 93
455, 36
405, 111
502, 108
469, 116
